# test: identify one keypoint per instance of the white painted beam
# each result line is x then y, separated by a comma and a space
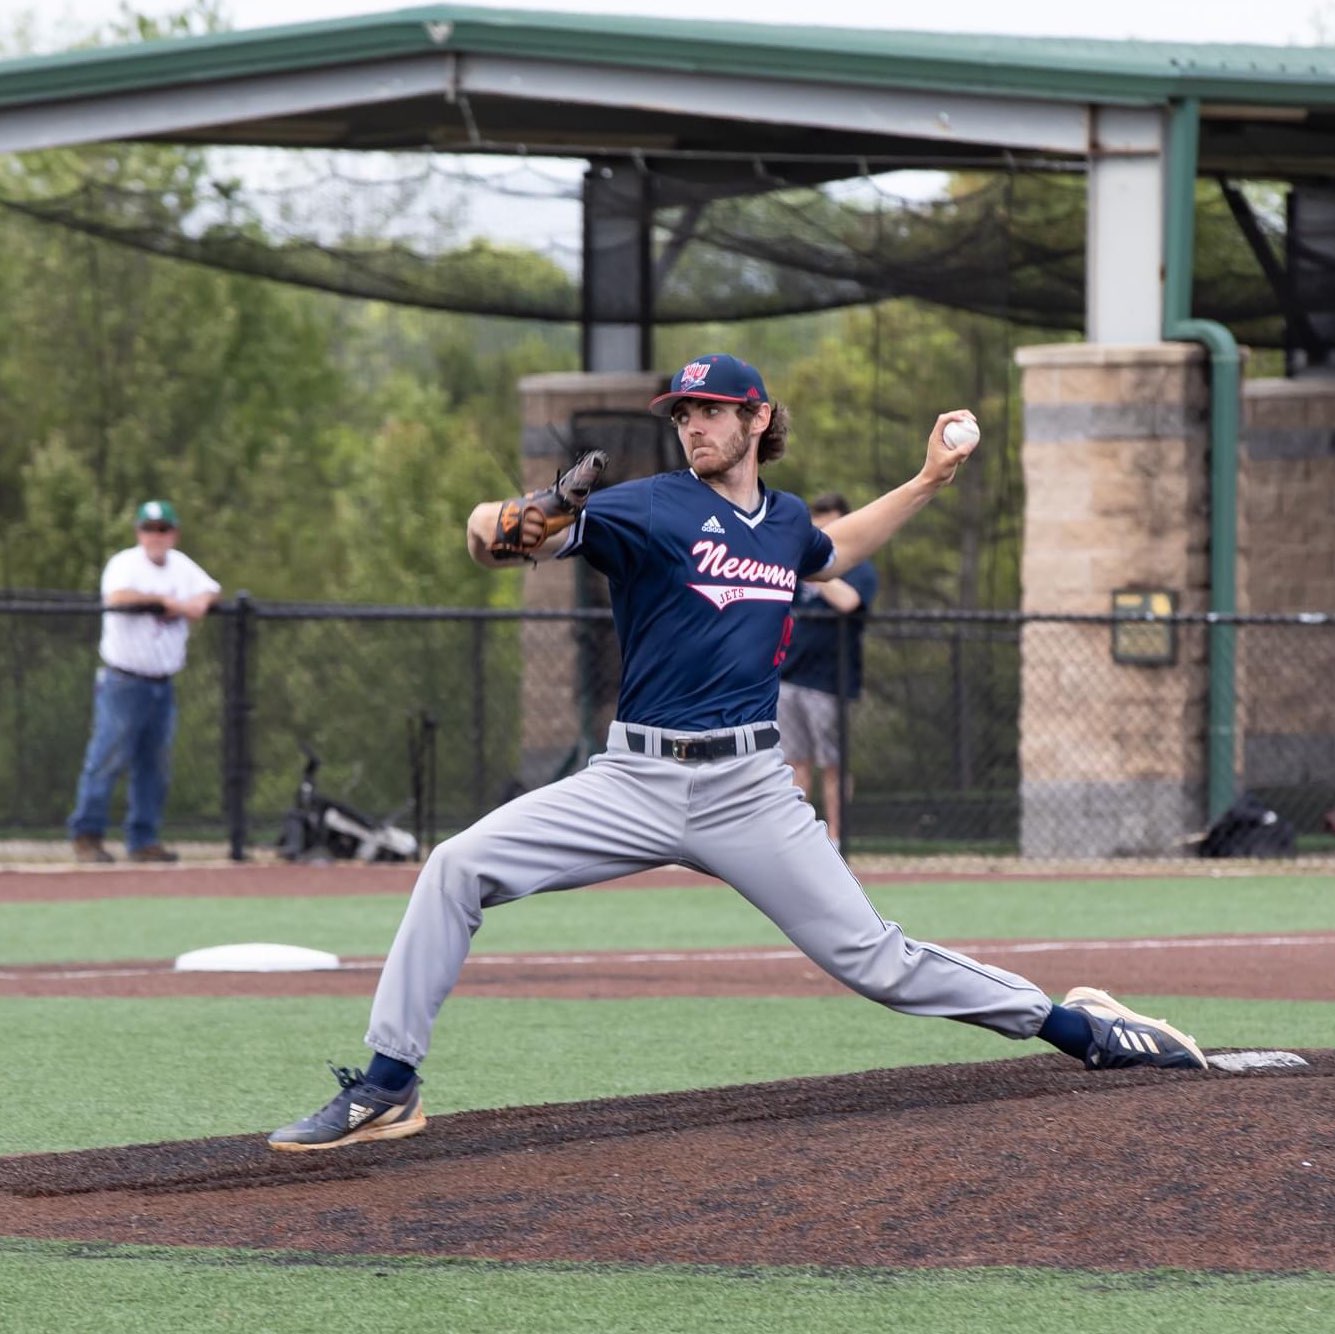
1012, 122
1124, 239
135, 115
1018, 122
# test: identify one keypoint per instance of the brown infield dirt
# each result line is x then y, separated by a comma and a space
1032, 1161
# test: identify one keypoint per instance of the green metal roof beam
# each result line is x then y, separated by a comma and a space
1085, 71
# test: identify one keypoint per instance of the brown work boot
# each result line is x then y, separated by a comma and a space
88, 848
153, 852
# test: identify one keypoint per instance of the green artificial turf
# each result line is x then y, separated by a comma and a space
117, 929
104, 1072
79, 1289
139, 1071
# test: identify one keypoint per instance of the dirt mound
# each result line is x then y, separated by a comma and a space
1030, 1161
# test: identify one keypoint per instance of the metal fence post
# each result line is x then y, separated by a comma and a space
432, 727
480, 793
236, 722
843, 631
422, 758
962, 730
586, 666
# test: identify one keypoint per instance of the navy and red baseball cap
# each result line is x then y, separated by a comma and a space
718, 377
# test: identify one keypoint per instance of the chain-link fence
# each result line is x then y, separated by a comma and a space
975, 732
1091, 736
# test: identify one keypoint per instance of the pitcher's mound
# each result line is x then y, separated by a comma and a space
1021, 1162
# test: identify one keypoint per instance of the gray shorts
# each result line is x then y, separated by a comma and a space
809, 725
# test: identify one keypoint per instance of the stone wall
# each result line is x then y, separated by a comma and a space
1287, 493
1112, 756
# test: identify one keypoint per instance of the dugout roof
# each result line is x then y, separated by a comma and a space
452, 78
678, 119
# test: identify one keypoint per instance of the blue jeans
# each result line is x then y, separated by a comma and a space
134, 723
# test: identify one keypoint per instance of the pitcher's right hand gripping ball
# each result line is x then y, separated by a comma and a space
526, 522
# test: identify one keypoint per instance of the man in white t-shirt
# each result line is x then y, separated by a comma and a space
134, 703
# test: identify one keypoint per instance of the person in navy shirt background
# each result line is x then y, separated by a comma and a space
702, 567
809, 684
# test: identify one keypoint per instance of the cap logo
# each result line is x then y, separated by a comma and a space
694, 375
153, 510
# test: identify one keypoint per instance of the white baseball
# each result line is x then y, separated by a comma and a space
959, 433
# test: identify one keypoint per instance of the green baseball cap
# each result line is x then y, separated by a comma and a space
157, 511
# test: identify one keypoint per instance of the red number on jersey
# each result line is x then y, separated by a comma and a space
785, 639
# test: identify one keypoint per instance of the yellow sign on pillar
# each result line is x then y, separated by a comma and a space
1144, 633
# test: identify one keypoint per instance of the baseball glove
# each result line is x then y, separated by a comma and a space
526, 522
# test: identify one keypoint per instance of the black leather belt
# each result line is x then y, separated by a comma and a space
699, 747
137, 676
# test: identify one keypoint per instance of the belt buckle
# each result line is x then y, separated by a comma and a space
681, 748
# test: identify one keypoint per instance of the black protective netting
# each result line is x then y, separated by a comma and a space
478, 237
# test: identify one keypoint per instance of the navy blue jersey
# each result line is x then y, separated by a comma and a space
700, 595
813, 656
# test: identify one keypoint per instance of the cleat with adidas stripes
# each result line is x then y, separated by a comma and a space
1124, 1038
357, 1113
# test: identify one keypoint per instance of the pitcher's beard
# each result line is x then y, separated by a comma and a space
723, 458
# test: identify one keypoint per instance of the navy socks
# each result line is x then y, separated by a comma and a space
388, 1074
1068, 1031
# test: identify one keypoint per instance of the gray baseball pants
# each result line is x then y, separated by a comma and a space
741, 819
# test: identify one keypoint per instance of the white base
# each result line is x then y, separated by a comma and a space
255, 958
1255, 1060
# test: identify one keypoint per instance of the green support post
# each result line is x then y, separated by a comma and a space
1225, 373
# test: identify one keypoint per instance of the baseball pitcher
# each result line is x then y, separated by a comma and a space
702, 565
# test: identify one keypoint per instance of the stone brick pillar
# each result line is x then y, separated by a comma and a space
1287, 493
1115, 457
570, 676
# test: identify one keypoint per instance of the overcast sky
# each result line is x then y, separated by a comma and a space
57, 24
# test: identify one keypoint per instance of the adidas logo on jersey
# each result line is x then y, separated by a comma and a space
712, 525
